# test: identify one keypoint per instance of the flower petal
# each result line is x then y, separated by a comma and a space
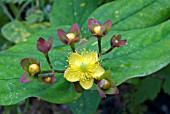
50, 41
34, 61
72, 75
25, 63
74, 60
89, 57
107, 25
122, 42
92, 23
73, 40
112, 91
25, 78
75, 29
87, 84
101, 92
62, 36
98, 72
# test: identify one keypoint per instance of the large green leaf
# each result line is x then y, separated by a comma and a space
146, 51
131, 14
12, 91
86, 104
67, 12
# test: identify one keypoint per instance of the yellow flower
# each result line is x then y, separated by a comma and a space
84, 68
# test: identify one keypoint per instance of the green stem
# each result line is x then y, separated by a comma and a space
99, 45
48, 60
58, 71
73, 47
109, 50
37, 3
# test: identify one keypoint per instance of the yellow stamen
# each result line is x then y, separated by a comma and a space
33, 68
97, 29
71, 36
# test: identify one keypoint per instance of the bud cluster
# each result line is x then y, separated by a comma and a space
84, 68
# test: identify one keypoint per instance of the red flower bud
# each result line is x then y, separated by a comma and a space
97, 29
43, 45
73, 34
116, 41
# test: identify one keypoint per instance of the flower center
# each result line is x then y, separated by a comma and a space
33, 68
83, 67
97, 29
71, 36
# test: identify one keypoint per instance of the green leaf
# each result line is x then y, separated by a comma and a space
12, 91
125, 16
148, 89
16, 31
146, 51
68, 12
86, 104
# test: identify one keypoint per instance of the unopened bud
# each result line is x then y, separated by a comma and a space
106, 85
33, 68
47, 79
